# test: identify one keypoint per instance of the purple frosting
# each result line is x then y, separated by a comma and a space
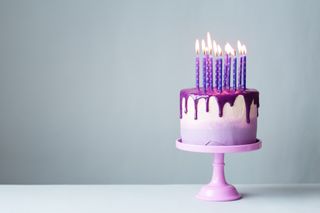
226, 96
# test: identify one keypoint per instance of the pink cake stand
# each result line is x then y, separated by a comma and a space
218, 189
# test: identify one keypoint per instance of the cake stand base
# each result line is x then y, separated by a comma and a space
218, 193
218, 189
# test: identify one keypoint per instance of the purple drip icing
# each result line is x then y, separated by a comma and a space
226, 96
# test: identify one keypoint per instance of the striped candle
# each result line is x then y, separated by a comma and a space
217, 73
197, 48
204, 66
220, 68
215, 51
209, 62
225, 77
211, 72
227, 62
204, 72
208, 70
234, 77
244, 67
229, 71
240, 73
220, 74
240, 65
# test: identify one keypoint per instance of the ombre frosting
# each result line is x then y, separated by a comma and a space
213, 118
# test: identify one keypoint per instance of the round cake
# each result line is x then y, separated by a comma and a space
210, 117
221, 112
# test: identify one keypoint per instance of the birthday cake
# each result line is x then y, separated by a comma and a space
218, 113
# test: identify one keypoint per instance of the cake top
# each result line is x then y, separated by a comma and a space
216, 77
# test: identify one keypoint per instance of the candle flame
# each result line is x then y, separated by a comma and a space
215, 48
208, 37
244, 49
203, 46
228, 49
210, 46
239, 47
233, 51
197, 47
219, 50
209, 42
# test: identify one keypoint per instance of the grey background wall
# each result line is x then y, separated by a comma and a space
89, 89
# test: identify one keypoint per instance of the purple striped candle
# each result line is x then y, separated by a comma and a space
240, 73
219, 68
220, 74
240, 65
217, 73
197, 48
209, 62
234, 77
209, 72
204, 66
229, 71
227, 74
244, 67
215, 51
225, 77
204, 72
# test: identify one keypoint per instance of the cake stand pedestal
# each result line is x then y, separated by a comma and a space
218, 189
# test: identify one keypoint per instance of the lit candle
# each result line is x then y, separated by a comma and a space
240, 65
234, 77
208, 69
229, 70
225, 77
204, 65
197, 48
220, 69
209, 63
244, 49
215, 51
227, 66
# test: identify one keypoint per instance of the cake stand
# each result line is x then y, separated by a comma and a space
218, 189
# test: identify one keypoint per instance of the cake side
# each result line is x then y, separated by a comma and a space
213, 118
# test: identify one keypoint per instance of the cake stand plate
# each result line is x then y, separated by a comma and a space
218, 189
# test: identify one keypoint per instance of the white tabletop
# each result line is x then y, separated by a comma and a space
154, 198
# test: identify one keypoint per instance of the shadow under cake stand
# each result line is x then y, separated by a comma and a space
218, 189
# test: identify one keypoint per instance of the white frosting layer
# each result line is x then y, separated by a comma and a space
232, 128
